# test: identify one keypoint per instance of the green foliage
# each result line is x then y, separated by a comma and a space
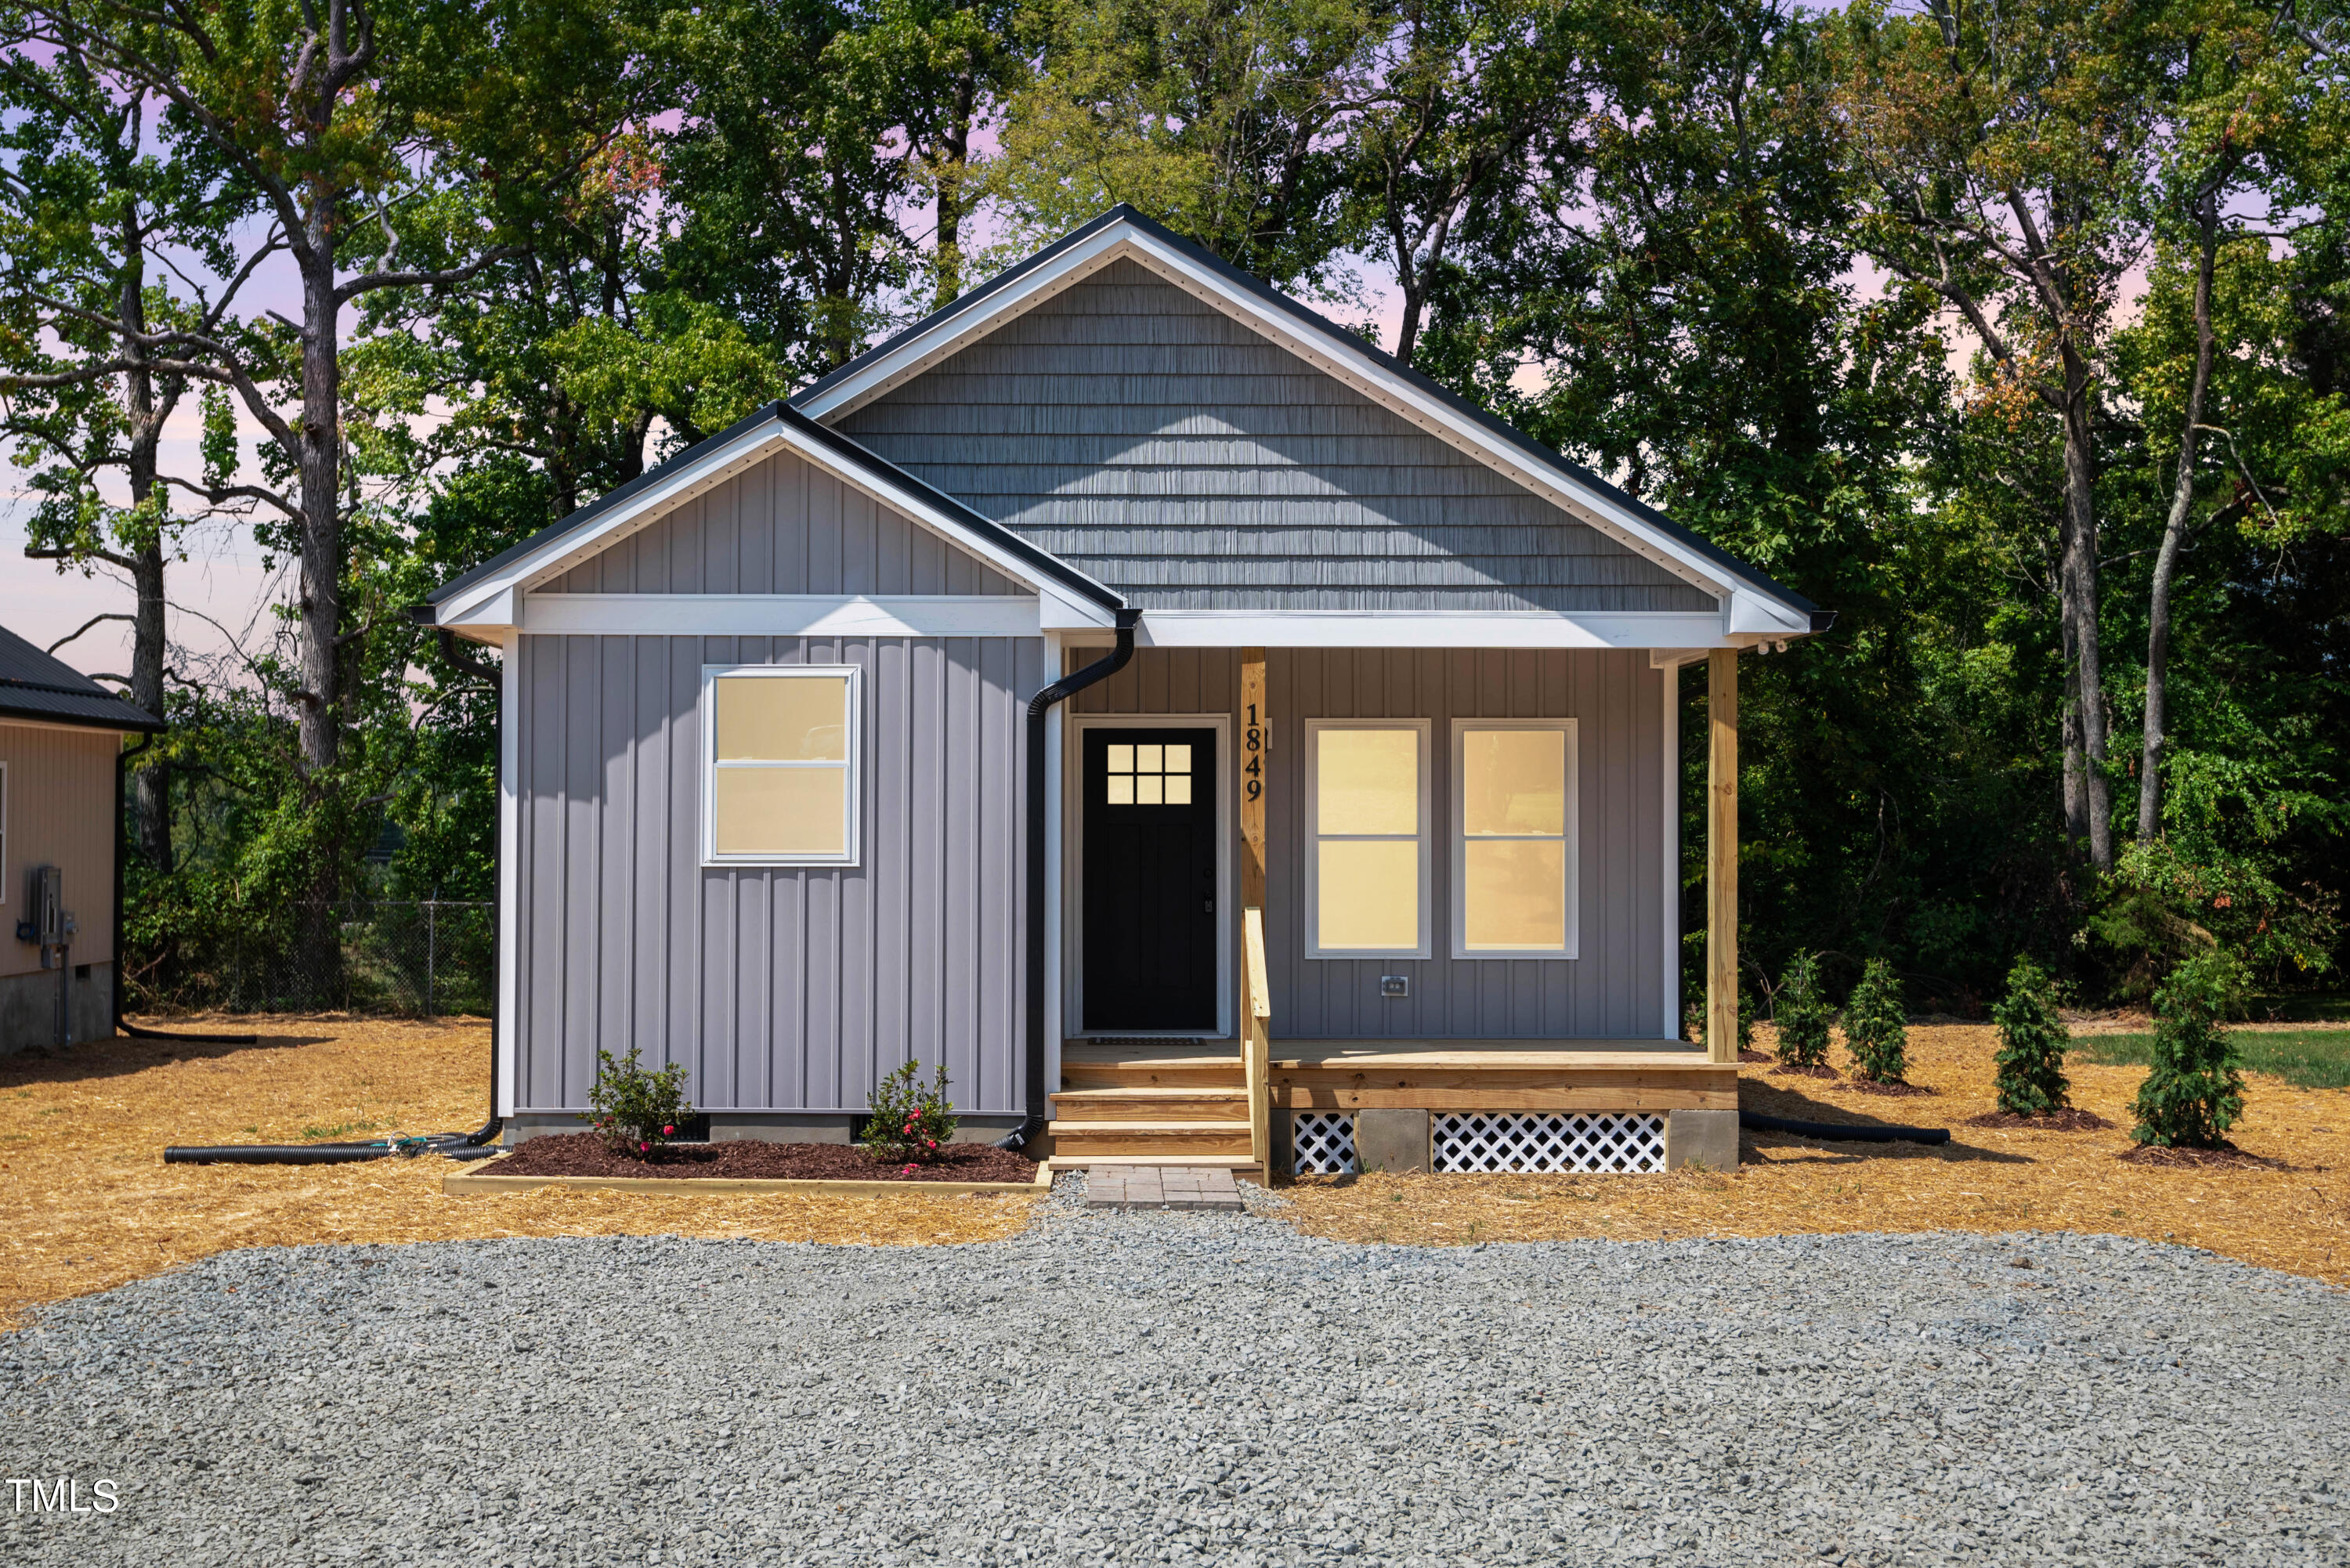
638, 1112
2031, 1079
1875, 1027
2194, 1090
1801, 1011
2305, 1058
909, 1122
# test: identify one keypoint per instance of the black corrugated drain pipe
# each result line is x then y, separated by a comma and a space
1039, 706
1841, 1132
477, 1145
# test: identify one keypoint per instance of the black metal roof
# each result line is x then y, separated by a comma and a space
36, 685
854, 456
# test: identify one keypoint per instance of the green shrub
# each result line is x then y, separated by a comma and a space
910, 1123
1875, 1027
2032, 1042
1745, 1019
1802, 1015
2194, 1091
638, 1112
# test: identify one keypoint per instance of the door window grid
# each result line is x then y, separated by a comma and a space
1147, 776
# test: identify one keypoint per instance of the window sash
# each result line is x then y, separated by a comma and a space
1473, 869
1349, 878
848, 767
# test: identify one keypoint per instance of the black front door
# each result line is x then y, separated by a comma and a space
1149, 907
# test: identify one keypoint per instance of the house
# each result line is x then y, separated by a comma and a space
60, 808
1126, 686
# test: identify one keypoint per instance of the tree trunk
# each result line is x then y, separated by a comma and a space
318, 950
2085, 749
2174, 536
152, 799
953, 165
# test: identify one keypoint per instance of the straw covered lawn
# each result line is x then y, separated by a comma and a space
2295, 1220
86, 1202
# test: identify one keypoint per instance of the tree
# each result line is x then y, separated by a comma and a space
785, 208
331, 115
2193, 1090
1459, 92
948, 65
1875, 1027
1216, 119
1999, 155
1802, 1013
2032, 1039
100, 189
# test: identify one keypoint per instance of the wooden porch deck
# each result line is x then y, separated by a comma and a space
1181, 1103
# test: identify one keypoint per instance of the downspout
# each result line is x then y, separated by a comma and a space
1039, 707
481, 670
114, 998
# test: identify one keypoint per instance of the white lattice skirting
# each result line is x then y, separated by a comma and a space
1540, 1141
1324, 1143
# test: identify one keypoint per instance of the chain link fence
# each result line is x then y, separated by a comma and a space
428, 959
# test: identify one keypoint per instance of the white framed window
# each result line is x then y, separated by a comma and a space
1367, 874
780, 763
1514, 841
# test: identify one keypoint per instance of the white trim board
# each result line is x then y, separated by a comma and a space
782, 615
1408, 629
1752, 611
1073, 860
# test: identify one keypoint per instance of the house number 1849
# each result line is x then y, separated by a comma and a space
1253, 746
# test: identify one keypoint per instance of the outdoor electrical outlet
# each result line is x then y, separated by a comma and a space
1395, 985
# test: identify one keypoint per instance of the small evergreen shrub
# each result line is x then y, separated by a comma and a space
2032, 1042
638, 1112
1875, 1027
1802, 1015
2194, 1090
910, 1122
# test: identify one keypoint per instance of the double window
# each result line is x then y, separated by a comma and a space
780, 764
1510, 823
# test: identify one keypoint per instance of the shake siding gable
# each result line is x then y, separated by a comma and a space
780, 988
783, 526
1188, 462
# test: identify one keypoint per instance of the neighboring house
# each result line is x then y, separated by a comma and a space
60, 732
1350, 814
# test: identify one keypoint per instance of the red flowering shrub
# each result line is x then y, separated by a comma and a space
910, 1122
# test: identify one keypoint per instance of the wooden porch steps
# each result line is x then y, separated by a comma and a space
1151, 1102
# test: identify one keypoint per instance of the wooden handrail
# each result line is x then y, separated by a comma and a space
1256, 1042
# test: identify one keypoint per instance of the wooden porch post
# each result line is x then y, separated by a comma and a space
1721, 858
1255, 1000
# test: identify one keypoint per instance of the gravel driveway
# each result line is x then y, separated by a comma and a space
1178, 1388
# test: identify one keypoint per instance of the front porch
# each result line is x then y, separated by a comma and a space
1335, 1107
1331, 1050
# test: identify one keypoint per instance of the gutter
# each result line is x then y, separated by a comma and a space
1039, 707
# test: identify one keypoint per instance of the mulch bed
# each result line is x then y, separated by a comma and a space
1871, 1087
2069, 1119
750, 1159
2227, 1156
1792, 1071
1747, 1054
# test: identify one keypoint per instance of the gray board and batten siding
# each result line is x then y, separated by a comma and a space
1614, 989
783, 988
783, 526
1190, 463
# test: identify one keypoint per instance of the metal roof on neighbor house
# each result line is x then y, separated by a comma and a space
38, 686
